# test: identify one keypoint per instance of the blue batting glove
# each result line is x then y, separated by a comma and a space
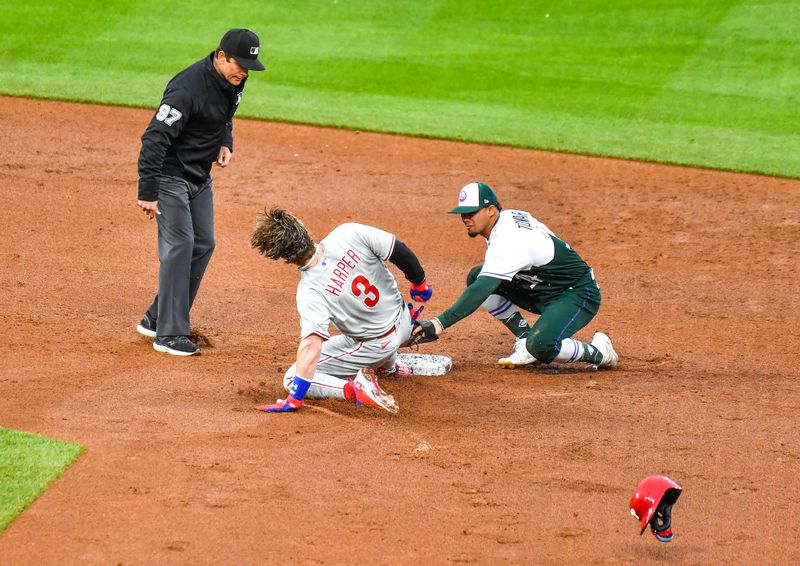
282, 405
414, 312
421, 293
297, 390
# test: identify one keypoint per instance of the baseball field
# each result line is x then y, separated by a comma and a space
378, 113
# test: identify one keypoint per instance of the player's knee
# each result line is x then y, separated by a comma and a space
288, 377
473, 274
543, 348
175, 249
204, 247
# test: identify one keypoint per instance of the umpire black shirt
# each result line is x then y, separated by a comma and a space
194, 121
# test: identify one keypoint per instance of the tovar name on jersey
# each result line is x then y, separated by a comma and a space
344, 268
521, 219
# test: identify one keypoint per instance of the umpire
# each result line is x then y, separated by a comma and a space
192, 129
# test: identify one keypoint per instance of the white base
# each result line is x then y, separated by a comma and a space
426, 364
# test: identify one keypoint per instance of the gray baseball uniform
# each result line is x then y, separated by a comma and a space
352, 290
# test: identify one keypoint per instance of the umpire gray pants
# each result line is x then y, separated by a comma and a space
185, 245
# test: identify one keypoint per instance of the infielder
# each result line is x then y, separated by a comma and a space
344, 283
191, 130
526, 266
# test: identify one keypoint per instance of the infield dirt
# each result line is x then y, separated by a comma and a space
699, 274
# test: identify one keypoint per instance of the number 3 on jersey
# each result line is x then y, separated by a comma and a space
168, 114
371, 294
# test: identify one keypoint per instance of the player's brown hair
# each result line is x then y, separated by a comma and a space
279, 234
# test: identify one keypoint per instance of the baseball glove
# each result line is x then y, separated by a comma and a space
424, 332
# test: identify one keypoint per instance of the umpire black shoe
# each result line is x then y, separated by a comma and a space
147, 327
176, 345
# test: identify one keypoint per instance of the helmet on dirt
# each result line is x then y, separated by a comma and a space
652, 503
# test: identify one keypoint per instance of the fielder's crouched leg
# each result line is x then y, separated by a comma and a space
541, 347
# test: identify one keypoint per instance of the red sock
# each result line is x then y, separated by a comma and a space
349, 392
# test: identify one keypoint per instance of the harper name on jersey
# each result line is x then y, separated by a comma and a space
343, 270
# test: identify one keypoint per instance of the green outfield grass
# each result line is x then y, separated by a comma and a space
703, 82
28, 464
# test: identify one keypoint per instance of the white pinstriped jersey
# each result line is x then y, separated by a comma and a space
350, 288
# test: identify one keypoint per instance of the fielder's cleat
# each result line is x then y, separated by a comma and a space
369, 393
603, 343
519, 357
176, 345
147, 327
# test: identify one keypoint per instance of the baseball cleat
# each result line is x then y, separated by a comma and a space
401, 370
603, 343
398, 369
147, 327
369, 393
519, 357
176, 345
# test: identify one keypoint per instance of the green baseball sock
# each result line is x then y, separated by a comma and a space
591, 354
517, 325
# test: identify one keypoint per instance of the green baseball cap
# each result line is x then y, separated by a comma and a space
474, 197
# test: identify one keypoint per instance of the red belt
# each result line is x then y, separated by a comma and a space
385, 334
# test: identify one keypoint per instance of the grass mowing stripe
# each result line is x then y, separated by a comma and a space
29, 463
711, 83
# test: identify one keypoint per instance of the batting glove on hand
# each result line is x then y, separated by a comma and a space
297, 390
414, 312
282, 405
425, 331
421, 293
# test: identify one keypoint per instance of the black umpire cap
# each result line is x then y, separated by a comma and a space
242, 45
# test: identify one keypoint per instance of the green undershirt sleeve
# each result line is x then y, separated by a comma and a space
469, 301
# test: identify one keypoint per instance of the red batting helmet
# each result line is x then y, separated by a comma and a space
652, 503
